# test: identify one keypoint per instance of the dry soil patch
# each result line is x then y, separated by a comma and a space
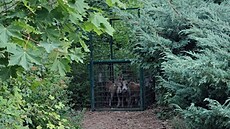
123, 120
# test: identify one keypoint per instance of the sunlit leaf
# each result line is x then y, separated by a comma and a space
85, 47
118, 2
25, 2
88, 26
99, 23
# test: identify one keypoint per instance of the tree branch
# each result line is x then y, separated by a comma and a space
174, 9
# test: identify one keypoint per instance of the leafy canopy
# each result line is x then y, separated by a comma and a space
50, 33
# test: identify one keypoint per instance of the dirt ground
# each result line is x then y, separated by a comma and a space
123, 120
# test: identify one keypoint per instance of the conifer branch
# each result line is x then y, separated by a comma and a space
174, 9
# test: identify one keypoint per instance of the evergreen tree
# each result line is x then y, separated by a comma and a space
187, 44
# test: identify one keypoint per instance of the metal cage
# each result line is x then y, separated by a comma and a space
104, 91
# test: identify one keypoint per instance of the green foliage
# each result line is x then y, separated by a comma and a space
39, 39
187, 44
201, 71
217, 116
121, 46
79, 86
80, 96
12, 116
98, 24
37, 99
48, 33
113, 2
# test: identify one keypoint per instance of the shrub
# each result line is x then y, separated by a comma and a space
217, 116
187, 43
79, 86
36, 100
80, 94
11, 113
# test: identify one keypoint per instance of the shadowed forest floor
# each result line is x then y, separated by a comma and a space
123, 120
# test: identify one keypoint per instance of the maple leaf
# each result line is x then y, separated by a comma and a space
76, 55
4, 34
61, 65
7, 32
49, 46
98, 23
81, 6
23, 58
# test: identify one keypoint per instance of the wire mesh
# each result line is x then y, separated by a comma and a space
117, 87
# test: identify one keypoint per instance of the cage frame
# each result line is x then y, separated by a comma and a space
92, 86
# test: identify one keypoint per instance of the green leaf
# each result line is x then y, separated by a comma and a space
11, 46
23, 58
4, 34
88, 26
28, 28
7, 72
25, 2
78, 11
39, 127
114, 2
7, 45
99, 23
109, 2
85, 47
74, 17
52, 33
61, 65
81, 6
7, 32
50, 126
63, 4
76, 55
49, 46
47, 4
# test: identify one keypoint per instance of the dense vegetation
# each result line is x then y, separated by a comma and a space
39, 39
44, 57
187, 44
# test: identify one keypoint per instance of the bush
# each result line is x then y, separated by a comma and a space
12, 115
80, 94
217, 116
187, 43
79, 86
36, 100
